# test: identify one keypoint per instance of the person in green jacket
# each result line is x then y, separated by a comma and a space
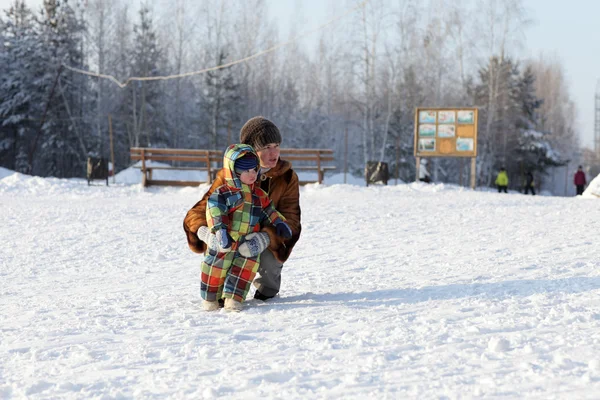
502, 181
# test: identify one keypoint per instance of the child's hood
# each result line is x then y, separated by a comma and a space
232, 153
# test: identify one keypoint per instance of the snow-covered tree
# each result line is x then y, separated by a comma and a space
65, 143
21, 92
145, 106
221, 98
364, 75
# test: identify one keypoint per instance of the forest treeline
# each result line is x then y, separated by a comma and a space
362, 77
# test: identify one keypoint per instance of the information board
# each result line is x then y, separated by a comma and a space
445, 132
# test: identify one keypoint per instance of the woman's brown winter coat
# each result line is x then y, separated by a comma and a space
281, 184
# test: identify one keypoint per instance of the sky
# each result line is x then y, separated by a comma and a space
569, 31
556, 30
449, 294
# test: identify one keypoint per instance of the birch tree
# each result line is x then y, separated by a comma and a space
144, 95
100, 21
504, 21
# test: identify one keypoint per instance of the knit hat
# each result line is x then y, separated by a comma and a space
258, 132
245, 163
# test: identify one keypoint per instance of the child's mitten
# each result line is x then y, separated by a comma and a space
203, 233
208, 238
255, 244
283, 230
225, 241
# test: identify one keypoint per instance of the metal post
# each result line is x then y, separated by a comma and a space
566, 177
346, 153
473, 172
462, 167
418, 167
397, 157
143, 168
208, 169
112, 149
320, 174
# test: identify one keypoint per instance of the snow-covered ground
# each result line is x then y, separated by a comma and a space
593, 189
408, 291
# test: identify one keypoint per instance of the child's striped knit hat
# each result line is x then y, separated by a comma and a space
246, 162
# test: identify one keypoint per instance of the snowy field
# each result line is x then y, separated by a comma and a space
408, 291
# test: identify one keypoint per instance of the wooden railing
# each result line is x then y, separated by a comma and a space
310, 160
212, 160
180, 159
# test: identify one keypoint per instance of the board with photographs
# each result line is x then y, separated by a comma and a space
445, 132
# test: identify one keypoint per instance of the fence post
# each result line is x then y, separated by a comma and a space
397, 158
112, 149
208, 171
462, 167
143, 168
473, 172
417, 168
346, 153
320, 178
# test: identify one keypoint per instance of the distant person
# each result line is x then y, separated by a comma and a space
529, 183
502, 181
579, 180
424, 175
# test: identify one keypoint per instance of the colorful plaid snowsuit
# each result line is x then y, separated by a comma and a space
240, 209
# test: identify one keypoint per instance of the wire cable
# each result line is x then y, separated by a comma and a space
229, 64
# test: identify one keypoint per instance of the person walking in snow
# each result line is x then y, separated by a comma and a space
579, 180
234, 210
280, 182
529, 184
502, 181
424, 175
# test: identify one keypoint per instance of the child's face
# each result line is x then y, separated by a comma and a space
249, 177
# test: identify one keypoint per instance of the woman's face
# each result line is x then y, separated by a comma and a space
269, 155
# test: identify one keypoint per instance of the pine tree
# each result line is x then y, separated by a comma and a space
497, 91
145, 104
220, 100
402, 123
22, 87
533, 149
64, 145
510, 138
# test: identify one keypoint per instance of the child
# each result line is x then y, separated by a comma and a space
233, 211
502, 181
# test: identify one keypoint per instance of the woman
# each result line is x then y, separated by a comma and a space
280, 182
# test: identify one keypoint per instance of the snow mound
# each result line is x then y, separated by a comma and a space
498, 345
18, 184
593, 189
333, 179
133, 175
338, 178
5, 172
